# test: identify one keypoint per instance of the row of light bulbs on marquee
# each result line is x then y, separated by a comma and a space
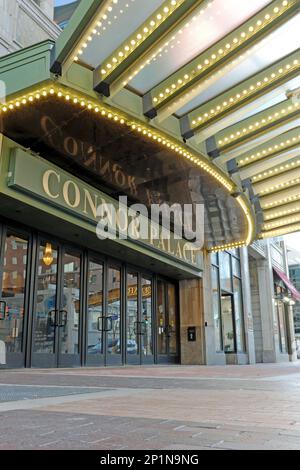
170, 42
160, 16
99, 25
280, 202
217, 53
270, 150
198, 87
280, 232
256, 124
257, 85
276, 171
276, 215
279, 187
163, 47
282, 223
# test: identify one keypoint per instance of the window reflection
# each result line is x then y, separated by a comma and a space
227, 318
147, 347
114, 312
161, 319
70, 312
13, 292
238, 311
216, 308
133, 325
95, 309
44, 320
172, 327
225, 272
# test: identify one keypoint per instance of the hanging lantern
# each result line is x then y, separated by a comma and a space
48, 255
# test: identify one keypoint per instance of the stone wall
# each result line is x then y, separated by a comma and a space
256, 312
25, 22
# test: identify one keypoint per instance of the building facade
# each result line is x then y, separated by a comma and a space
294, 272
68, 299
25, 22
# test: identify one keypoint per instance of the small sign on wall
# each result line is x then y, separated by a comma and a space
192, 337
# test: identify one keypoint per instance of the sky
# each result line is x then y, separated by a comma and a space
293, 240
62, 2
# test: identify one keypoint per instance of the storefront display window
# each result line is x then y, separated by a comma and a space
227, 302
216, 308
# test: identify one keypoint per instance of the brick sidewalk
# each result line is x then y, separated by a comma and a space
248, 407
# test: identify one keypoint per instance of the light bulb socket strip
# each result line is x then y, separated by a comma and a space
283, 169
288, 141
280, 231
132, 56
148, 132
83, 28
242, 94
223, 51
285, 210
229, 246
282, 222
256, 126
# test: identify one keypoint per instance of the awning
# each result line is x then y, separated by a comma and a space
295, 293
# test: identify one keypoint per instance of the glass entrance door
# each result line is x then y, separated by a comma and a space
13, 297
95, 314
139, 333
167, 323
57, 311
228, 324
112, 321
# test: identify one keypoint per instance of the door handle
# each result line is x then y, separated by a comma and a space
2, 302
170, 330
52, 321
109, 324
100, 324
105, 324
63, 313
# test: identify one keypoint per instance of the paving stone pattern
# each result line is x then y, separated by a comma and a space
163, 408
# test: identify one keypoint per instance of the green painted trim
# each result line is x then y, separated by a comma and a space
26, 68
84, 14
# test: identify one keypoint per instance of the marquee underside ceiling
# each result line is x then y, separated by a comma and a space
226, 75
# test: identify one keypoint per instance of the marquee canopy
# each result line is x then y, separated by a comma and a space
220, 78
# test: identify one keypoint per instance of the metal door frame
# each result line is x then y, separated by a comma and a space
56, 359
169, 358
18, 360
